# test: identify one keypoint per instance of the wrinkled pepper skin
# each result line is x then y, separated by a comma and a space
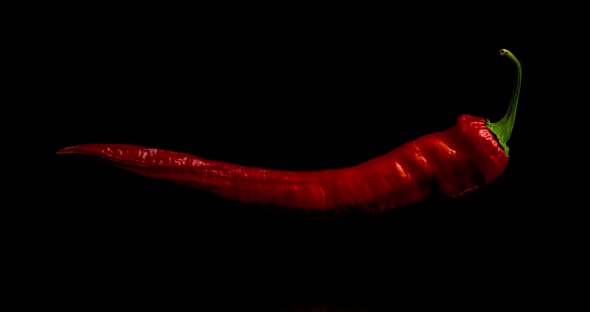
452, 162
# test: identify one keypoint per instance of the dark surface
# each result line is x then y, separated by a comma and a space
284, 97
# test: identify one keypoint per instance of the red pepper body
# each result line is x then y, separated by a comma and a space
452, 162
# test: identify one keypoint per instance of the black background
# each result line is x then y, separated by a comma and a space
299, 92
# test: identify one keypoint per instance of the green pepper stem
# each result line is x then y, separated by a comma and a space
503, 128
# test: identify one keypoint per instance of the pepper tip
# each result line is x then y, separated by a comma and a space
65, 150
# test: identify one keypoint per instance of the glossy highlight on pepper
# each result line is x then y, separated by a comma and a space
453, 162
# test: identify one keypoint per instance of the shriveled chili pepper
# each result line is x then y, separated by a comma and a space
453, 162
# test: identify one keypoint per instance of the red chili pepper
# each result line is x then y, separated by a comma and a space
453, 162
